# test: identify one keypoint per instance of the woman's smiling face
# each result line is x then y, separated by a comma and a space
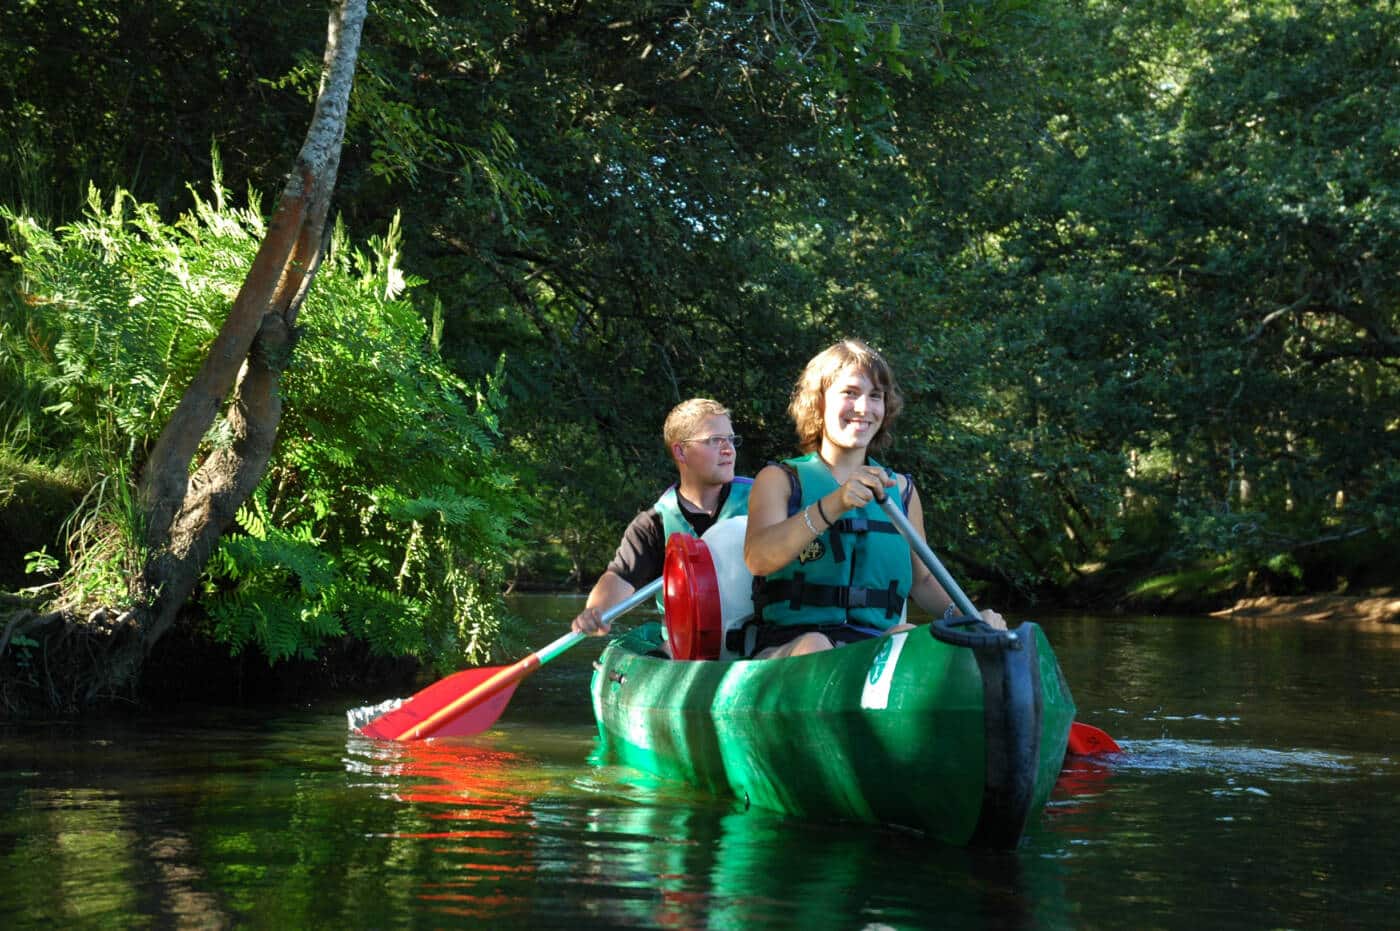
852, 409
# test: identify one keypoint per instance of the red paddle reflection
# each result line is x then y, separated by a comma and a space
475, 793
474, 784
1079, 790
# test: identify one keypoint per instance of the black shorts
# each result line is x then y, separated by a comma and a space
775, 635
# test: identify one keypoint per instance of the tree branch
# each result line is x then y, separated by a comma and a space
187, 514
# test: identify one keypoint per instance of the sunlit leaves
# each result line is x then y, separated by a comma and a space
384, 512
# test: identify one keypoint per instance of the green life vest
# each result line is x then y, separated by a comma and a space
858, 571
673, 519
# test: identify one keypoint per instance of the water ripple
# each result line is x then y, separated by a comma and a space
1156, 756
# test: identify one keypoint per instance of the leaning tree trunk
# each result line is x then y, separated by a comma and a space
186, 512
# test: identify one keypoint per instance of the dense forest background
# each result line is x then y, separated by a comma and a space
1137, 267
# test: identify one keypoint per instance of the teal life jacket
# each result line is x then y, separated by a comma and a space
858, 571
673, 519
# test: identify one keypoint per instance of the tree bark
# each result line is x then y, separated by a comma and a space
186, 512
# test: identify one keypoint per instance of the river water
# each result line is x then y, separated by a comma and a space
1259, 788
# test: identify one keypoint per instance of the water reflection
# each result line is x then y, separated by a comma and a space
482, 779
489, 827
468, 823
1260, 789
61, 856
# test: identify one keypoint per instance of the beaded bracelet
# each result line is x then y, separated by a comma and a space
807, 519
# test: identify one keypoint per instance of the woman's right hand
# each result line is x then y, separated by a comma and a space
866, 484
993, 619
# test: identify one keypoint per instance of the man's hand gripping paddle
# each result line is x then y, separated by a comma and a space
470, 701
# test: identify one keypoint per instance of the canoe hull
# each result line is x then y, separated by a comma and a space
962, 744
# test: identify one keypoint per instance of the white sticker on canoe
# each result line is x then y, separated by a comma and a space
876, 693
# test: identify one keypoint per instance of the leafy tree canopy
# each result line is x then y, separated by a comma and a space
1135, 266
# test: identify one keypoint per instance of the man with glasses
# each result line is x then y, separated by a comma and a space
703, 445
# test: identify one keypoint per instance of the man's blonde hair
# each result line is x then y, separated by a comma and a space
807, 396
689, 416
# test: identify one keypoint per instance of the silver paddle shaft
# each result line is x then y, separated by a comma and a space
921, 549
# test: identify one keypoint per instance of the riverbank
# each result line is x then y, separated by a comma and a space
1379, 609
188, 668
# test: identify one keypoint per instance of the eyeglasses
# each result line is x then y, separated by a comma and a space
718, 440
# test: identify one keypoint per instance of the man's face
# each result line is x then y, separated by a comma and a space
705, 458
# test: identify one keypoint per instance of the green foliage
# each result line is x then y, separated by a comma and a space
159, 83
104, 544
1134, 264
35, 499
1182, 261
117, 312
617, 198
1191, 589
384, 514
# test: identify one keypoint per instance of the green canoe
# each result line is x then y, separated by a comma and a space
960, 740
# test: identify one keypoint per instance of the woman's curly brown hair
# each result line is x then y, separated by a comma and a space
806, 404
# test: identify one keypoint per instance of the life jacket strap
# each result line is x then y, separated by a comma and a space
855, 525
863, 525
798, 592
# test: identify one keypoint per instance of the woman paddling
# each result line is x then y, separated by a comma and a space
828, 565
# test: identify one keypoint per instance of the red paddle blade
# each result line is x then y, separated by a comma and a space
1087, 740
474, 718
